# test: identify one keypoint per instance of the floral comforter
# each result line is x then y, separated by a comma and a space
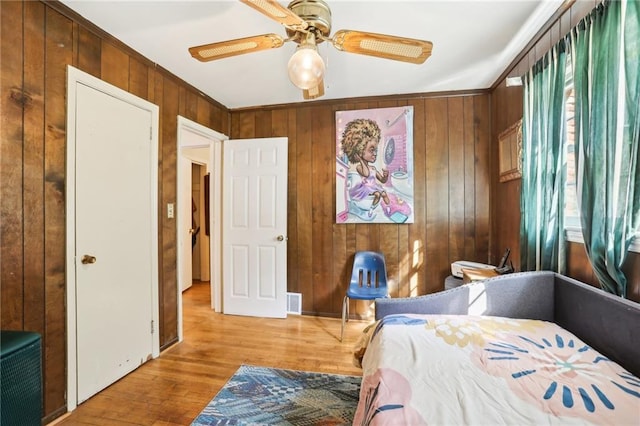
449, 369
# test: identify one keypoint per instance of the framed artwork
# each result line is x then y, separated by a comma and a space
510, 145
374, 165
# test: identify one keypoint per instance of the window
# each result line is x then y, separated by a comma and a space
572, 224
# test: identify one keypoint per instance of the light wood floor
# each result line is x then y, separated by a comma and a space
175, 387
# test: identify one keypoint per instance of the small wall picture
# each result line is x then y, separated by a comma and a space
374, 165
510, 144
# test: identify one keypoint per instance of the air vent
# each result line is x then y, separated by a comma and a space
294, 303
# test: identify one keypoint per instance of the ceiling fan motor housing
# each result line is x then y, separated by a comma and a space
316, 13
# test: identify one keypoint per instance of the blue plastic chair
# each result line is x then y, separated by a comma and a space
368, 281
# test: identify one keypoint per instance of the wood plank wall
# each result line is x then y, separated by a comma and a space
452, 172
38, 41
506, 107
454, 155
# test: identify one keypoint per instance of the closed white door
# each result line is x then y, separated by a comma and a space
254, 227
115, 227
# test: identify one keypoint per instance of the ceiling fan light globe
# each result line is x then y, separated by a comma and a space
306, 68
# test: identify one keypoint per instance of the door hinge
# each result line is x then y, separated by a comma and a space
150, 133
152, 330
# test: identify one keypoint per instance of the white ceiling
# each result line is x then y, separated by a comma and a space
473, 42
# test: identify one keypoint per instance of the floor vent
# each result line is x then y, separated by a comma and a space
294, 303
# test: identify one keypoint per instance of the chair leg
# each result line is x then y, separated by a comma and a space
346, 318
345, 315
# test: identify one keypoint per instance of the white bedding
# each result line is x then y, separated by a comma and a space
477, 370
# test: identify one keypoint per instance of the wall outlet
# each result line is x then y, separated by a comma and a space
170, 212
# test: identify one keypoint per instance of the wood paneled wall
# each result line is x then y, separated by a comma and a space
506, 107
451, 183
578, 267
38, 41
455, 159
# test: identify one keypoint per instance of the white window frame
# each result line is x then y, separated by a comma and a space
574, 234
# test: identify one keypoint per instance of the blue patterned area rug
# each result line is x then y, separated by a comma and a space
271, 396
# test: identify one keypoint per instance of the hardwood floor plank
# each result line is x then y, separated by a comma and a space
174, 388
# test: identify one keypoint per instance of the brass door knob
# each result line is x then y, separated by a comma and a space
86, 259
280, 238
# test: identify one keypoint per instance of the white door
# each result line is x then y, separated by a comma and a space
185, 270
115, 215
254, 227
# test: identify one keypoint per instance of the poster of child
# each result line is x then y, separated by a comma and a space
374, 165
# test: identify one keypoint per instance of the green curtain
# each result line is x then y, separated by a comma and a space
542, 245
604, 53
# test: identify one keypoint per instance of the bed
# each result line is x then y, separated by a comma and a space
531, 348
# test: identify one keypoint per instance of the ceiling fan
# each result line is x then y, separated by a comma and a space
308, 23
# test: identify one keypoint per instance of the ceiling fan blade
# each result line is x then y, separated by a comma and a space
383, 46
314, 92
277, 12
224, 49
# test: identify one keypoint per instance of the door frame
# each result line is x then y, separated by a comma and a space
205, 138
77, 77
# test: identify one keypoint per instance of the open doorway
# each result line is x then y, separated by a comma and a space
193, 210
198, 210
200, 232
